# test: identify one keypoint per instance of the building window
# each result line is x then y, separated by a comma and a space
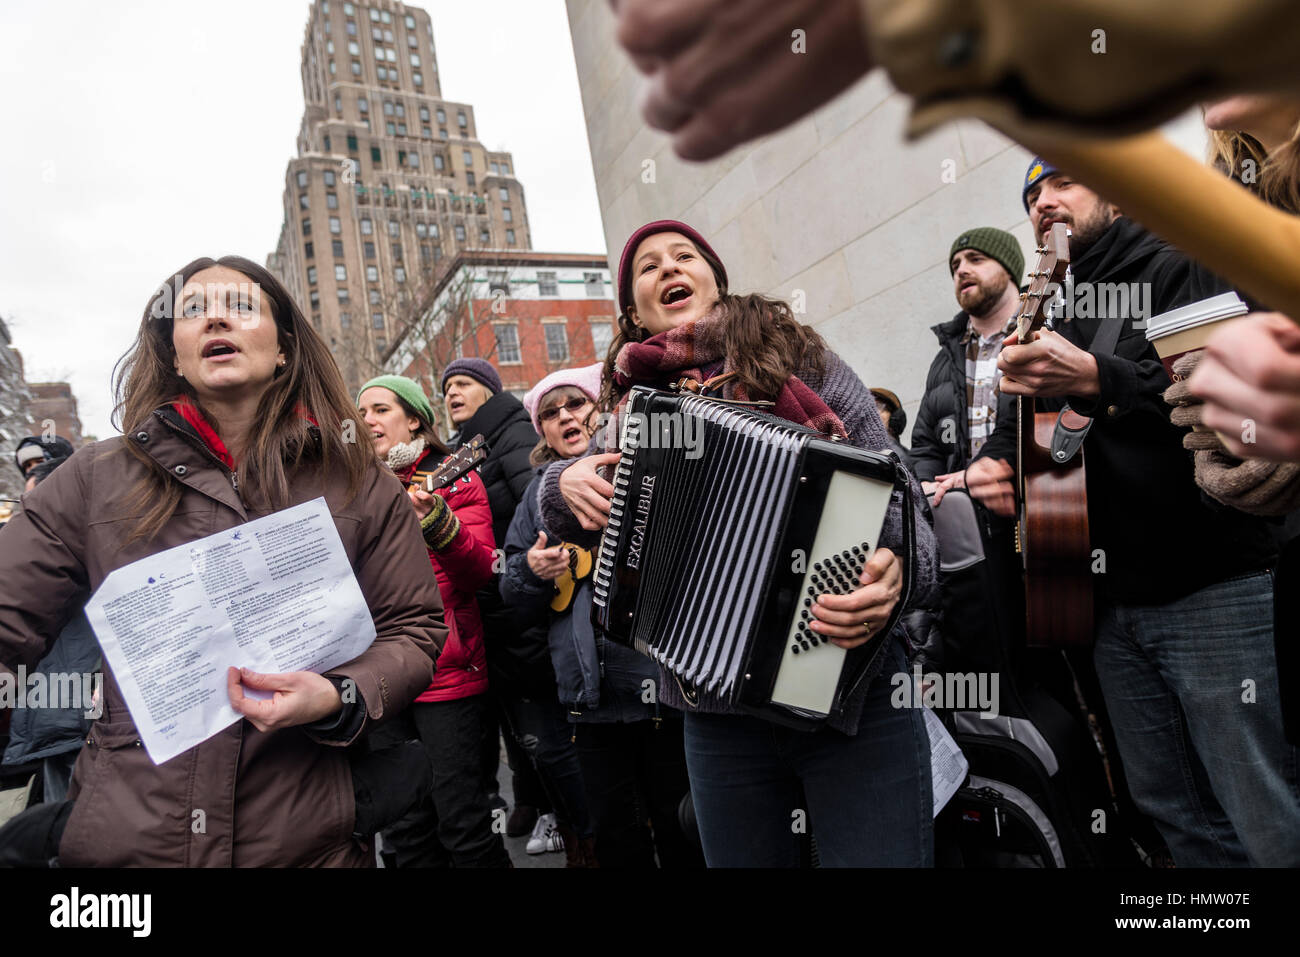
388, 108
397, 252
370, 250
375, 156
302, 179
484, 237
363, 104
468, 158
494, 168
374, 15
329, 177
391, 127
510, 237
381, 72
309, 250
433, 230
343, 295
394, 228
507, 215
426, 132
349, 10
438, 162
374, 297
351, 28
333, 69
426, 254
353, 48
399, 274
372, 274
415, 60
602, 334
367, 226
377, 320
462, 120
505, 169
469, 178
507, 344
497, 281
417, 79
390, 55
595, 285
341, 273
424, 114
345, 319
378, 35
401, 111
336, 247
332, 200
460, 233
306, 227
311, 275
352, 142
505, 195
442, 116
546, 284
442, 134
401, 129
327, 144
335, 226
302, 201
421, 230
387, 18
410, 22
557, 342
315, 299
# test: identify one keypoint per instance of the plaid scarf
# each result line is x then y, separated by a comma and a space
688, 349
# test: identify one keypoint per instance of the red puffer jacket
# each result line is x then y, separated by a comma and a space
462, 568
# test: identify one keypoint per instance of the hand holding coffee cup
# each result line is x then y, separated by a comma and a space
1249, 377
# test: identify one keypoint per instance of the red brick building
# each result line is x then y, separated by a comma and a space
528, 313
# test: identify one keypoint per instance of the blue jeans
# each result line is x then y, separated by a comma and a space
1212, 770
868, 797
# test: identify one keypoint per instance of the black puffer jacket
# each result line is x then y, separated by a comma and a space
505, 425
1162, 539
941, 435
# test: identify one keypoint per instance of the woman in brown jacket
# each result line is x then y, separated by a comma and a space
232, 408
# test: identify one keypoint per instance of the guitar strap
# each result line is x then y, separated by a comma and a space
1066, 441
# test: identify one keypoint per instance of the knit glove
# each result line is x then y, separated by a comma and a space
1253, 486
440, 525
1187, 408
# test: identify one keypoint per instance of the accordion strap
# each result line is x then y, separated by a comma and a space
715, 384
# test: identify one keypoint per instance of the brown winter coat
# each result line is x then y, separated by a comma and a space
242, 798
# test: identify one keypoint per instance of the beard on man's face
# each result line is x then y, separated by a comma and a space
1085, 232
982, 298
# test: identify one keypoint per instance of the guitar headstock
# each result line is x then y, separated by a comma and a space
465, 459
1044, 280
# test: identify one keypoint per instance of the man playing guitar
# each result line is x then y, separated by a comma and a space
1183, 594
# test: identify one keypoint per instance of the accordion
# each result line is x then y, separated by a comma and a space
725, 524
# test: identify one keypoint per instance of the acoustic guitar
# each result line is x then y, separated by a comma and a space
465, 459
1052, 530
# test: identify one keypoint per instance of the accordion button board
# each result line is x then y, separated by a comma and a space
725, 525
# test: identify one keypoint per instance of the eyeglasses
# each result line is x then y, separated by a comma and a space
573, 405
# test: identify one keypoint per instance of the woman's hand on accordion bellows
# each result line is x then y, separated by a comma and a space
849, 620
586, 493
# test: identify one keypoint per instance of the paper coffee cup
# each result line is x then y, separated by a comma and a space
1188, 328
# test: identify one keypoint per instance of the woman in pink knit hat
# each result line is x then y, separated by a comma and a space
629, 749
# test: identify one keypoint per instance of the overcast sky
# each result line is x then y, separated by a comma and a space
141, 135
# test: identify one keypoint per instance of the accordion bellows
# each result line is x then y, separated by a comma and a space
724, 526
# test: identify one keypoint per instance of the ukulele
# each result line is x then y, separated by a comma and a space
566, 585
465, 459
1052, 528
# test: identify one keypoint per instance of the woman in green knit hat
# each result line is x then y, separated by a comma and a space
455, 825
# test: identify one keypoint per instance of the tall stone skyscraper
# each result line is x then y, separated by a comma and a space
389, 183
